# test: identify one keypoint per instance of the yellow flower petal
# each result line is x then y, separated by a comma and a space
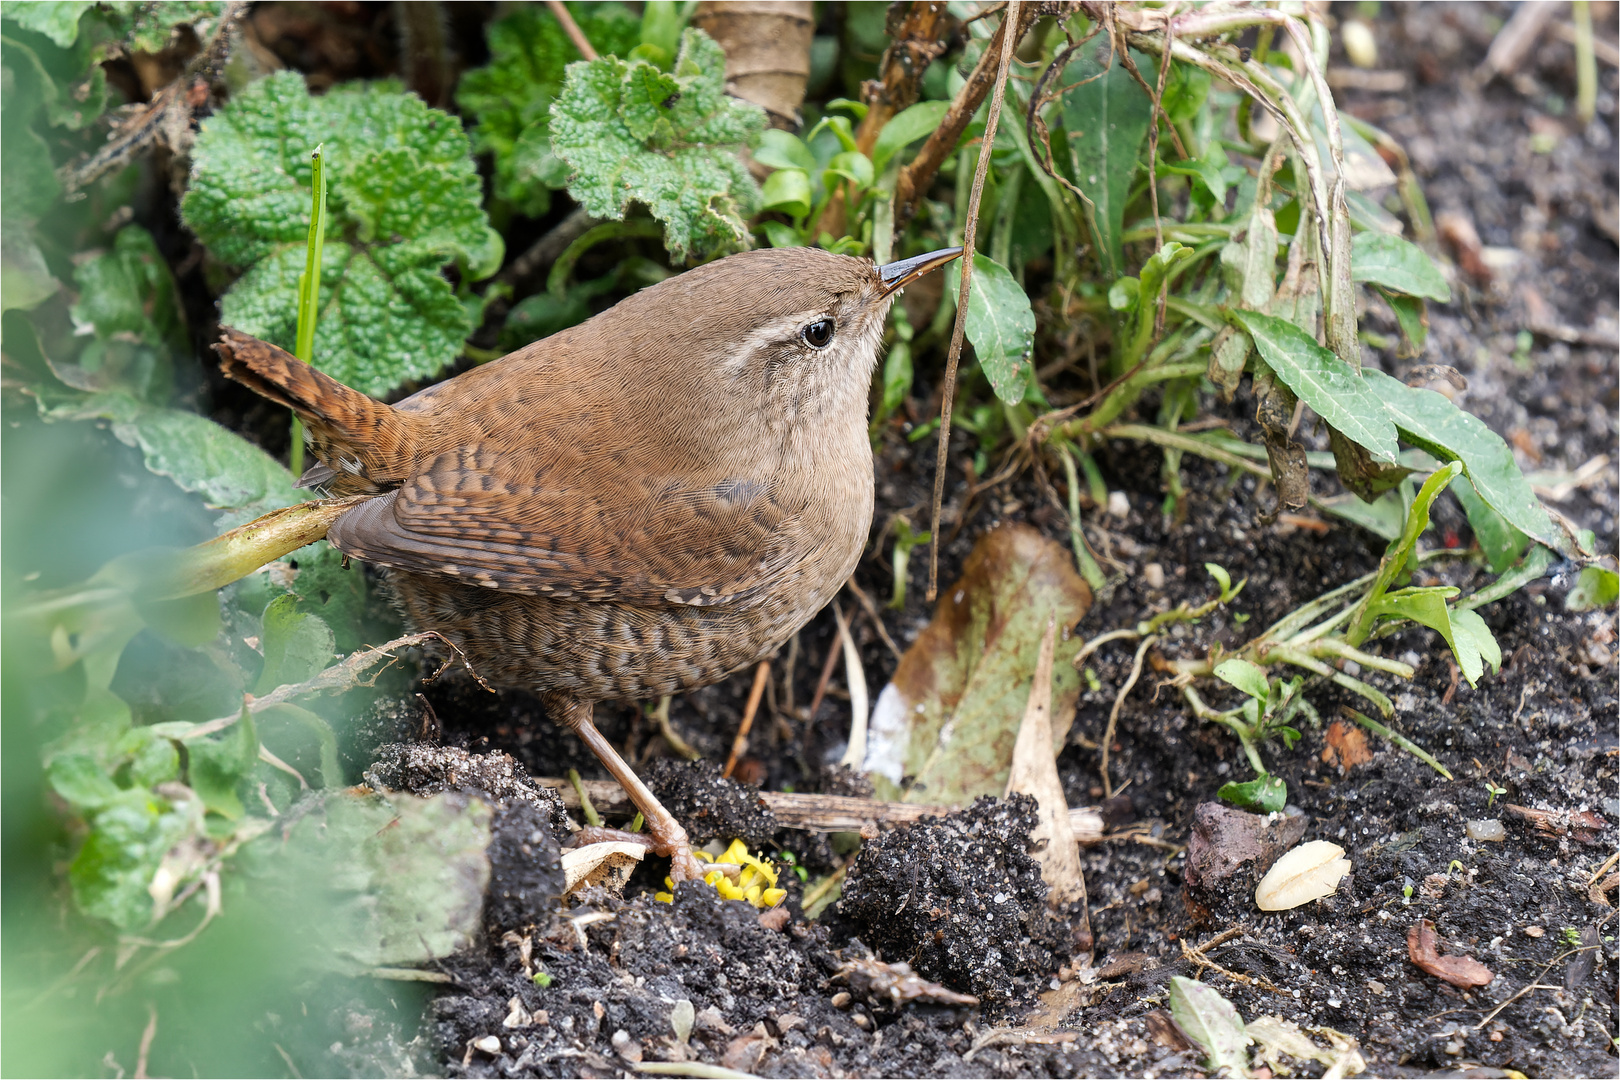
664, 896
772, 897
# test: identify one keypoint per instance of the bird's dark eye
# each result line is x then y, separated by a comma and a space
819, 334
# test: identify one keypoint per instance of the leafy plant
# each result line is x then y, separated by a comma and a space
633, 133
405, 202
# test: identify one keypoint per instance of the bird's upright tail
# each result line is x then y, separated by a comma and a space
362, 444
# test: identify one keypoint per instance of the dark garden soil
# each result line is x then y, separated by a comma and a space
961, 901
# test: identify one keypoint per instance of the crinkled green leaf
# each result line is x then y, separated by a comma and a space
149, 27
1210, 1021
1596, 587
677, 154
403, 200
296, 644
1323, 381
56, 19
51, 84
1432, 422
906, 127
1381, 259
111, 873
1107, 119
1265, 794
1000, 326
509, 99
950, 716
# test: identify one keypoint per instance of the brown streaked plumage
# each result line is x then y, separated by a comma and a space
636, 506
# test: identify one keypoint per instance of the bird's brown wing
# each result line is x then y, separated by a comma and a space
496, 520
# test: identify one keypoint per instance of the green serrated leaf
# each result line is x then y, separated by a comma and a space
1212, 1023
1432, 422
1323, 381
509, 99
1378, 258
404, 200
296, 644
1107, 117
1247, 677
1595, 588
689, 176
1000, 325
906, 127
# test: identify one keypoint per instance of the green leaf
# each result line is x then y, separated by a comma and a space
1500, 541
1247, 677
149, 27
1207, 169
788, 190
217, 766
1412, 315
1471, 643
1432, 422
56, 19
1595, 588
509, 99
1000, 324
1382, 517
852, 166
950, 716
783, 150
1211, 1022
81, 780
1381, 259
404, 201
1266, 794
111, 873
316, 725
680, 159
297, 645
130, 291
1107, 120
1323, 381
906, 127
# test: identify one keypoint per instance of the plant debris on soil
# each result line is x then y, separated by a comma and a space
957, 904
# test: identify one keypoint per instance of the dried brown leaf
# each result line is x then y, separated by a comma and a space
1460, 971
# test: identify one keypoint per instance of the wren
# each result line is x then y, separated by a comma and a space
636, 506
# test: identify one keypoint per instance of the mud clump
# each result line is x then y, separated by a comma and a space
961, 900
422, 769
1229, 852
710, 806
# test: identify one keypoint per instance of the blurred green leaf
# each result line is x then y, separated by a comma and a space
784, 150
81, 780
1000, 325
1207, 169
296, 644
405, 200
676, 154
1381, 259
217, 766
1323, 381
1432, 422
56, 19
1107, 120
1596, 587
1412, 315
788, 190
852, 166
113, 870
149, 27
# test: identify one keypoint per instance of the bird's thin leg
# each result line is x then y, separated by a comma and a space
668, 837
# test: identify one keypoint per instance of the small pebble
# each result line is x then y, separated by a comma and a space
841, 1000
1118, 505
863, 1021
1153, 575
1376, 987
488, 1044
1489, 829
1533, 931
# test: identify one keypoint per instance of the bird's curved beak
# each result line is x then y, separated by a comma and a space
897, 275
